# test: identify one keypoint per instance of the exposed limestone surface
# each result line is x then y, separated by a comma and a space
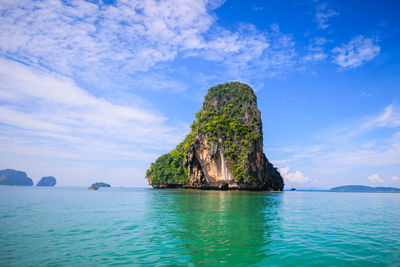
224, 150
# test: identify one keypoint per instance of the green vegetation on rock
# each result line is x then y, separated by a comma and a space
227, 114
169, 169
230, 122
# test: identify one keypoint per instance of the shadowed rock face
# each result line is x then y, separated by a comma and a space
13, 177
224, 150
47, 181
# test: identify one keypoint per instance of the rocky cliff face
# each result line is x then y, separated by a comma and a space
224, 150
209, 168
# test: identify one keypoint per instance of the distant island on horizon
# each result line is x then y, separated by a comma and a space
364, 188
47, 181
100, 184
12, 177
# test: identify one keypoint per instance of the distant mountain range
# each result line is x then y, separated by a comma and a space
363, 188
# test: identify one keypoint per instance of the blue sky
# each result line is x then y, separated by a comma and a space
97, 90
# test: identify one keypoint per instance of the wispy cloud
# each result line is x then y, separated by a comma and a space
249, 52
258, 8
375, 178
62, 64
353, 147
395, 178
323, 13
356, 52
351, 152
53, 110
366, 94
100, 42
295, 177
316, 50
81, 36
390, 117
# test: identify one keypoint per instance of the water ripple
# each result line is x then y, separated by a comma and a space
64, 227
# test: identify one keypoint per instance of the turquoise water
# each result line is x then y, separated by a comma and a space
117, 226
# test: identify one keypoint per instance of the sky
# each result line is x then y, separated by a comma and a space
97, 90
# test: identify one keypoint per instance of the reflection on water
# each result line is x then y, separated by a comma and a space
220, 227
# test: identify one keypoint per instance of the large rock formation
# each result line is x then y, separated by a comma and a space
47, 181
13, 177
224, 150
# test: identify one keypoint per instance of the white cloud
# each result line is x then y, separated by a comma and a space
258, 8
395, 178
101, 42
354, 156
136, 33
355, 148
295, 177
355, 53
323, 14
365, 94
390, 117
315, 50
249, 52
346, 148
375, 178
63, 62
315, 57
44, 114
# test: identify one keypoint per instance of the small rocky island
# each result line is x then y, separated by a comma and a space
100, 184
224, 149
13, 177
47, 181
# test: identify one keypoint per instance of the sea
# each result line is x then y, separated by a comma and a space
73, 226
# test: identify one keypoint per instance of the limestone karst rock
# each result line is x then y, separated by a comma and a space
47, 181
13, 177
224, 149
